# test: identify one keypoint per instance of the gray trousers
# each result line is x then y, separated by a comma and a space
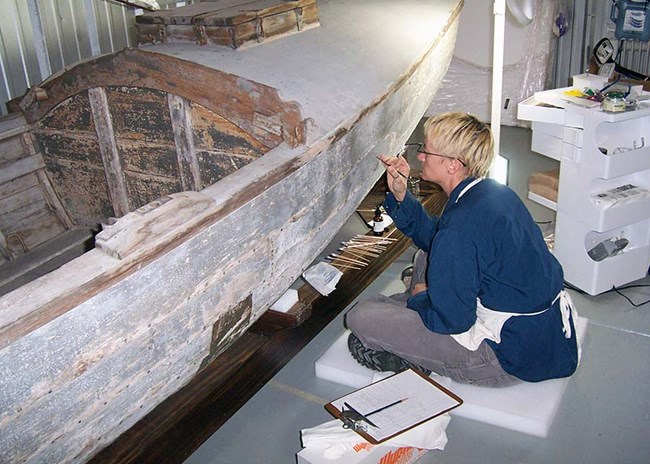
386, 324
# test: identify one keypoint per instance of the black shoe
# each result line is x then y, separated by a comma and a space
379, 360
407, 276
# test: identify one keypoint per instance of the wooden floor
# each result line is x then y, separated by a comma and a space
179, 425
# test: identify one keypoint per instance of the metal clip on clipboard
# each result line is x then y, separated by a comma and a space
353, 419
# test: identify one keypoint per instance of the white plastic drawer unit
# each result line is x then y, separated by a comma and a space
545, 144
548, 106
548, 139
532, 110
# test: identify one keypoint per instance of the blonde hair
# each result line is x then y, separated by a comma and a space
462, 136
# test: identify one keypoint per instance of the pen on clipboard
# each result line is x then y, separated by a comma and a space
361, 416
365, 416
386, 407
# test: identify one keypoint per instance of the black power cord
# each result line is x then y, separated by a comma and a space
615, 290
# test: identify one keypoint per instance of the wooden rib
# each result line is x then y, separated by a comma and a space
108, 148
188, 164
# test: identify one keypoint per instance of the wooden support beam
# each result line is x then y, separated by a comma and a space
110, 154
188, 164
53, 199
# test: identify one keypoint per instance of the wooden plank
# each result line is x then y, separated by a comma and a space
235, 24
110, 154
27, 142
32, 225
152, 224
215, 133
273, 321
11, 149
141, 114
14, 169
222, 13
73, 180
43, 254
159, 422
18, 185
21, 199
12, 125
188, 164
232, 15
53, 199
13, 132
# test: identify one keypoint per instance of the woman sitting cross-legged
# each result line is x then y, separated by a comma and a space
486, 304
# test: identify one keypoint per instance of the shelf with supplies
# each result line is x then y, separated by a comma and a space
601, 193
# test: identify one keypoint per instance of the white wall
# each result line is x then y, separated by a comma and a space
475, 30
527, 61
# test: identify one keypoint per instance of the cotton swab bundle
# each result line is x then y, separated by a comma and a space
371, 238
360, 252
364, 246
357, 252
350, 260
345, 266
351, 254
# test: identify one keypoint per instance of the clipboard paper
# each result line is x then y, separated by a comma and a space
422, 400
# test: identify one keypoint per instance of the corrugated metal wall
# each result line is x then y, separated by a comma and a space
634, 54
41, 37
590, 22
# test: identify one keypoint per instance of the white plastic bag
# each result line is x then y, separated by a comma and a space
323, 277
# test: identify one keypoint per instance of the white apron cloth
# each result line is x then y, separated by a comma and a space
489, 322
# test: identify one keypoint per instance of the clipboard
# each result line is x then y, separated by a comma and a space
394, 405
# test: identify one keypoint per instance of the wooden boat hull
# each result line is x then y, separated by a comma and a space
89, 349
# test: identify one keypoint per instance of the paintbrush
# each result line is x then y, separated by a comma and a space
388, 165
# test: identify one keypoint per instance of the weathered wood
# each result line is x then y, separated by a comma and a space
30, 225
14, 169
147, 439
273, 321
43, 254
11, 149
235, 98
12, 125
225, 385
234, 23
148, 227
144, 152
181, 120
24, 198
18, 185
53, 199
110, 154
138, 328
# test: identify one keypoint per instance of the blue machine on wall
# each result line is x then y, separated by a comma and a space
631, 19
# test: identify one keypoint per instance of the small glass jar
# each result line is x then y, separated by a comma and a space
414, 186
614, 102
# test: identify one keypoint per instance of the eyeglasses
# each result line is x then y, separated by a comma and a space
419, 148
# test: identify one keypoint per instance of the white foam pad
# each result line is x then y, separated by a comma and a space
527, 407
286, 301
